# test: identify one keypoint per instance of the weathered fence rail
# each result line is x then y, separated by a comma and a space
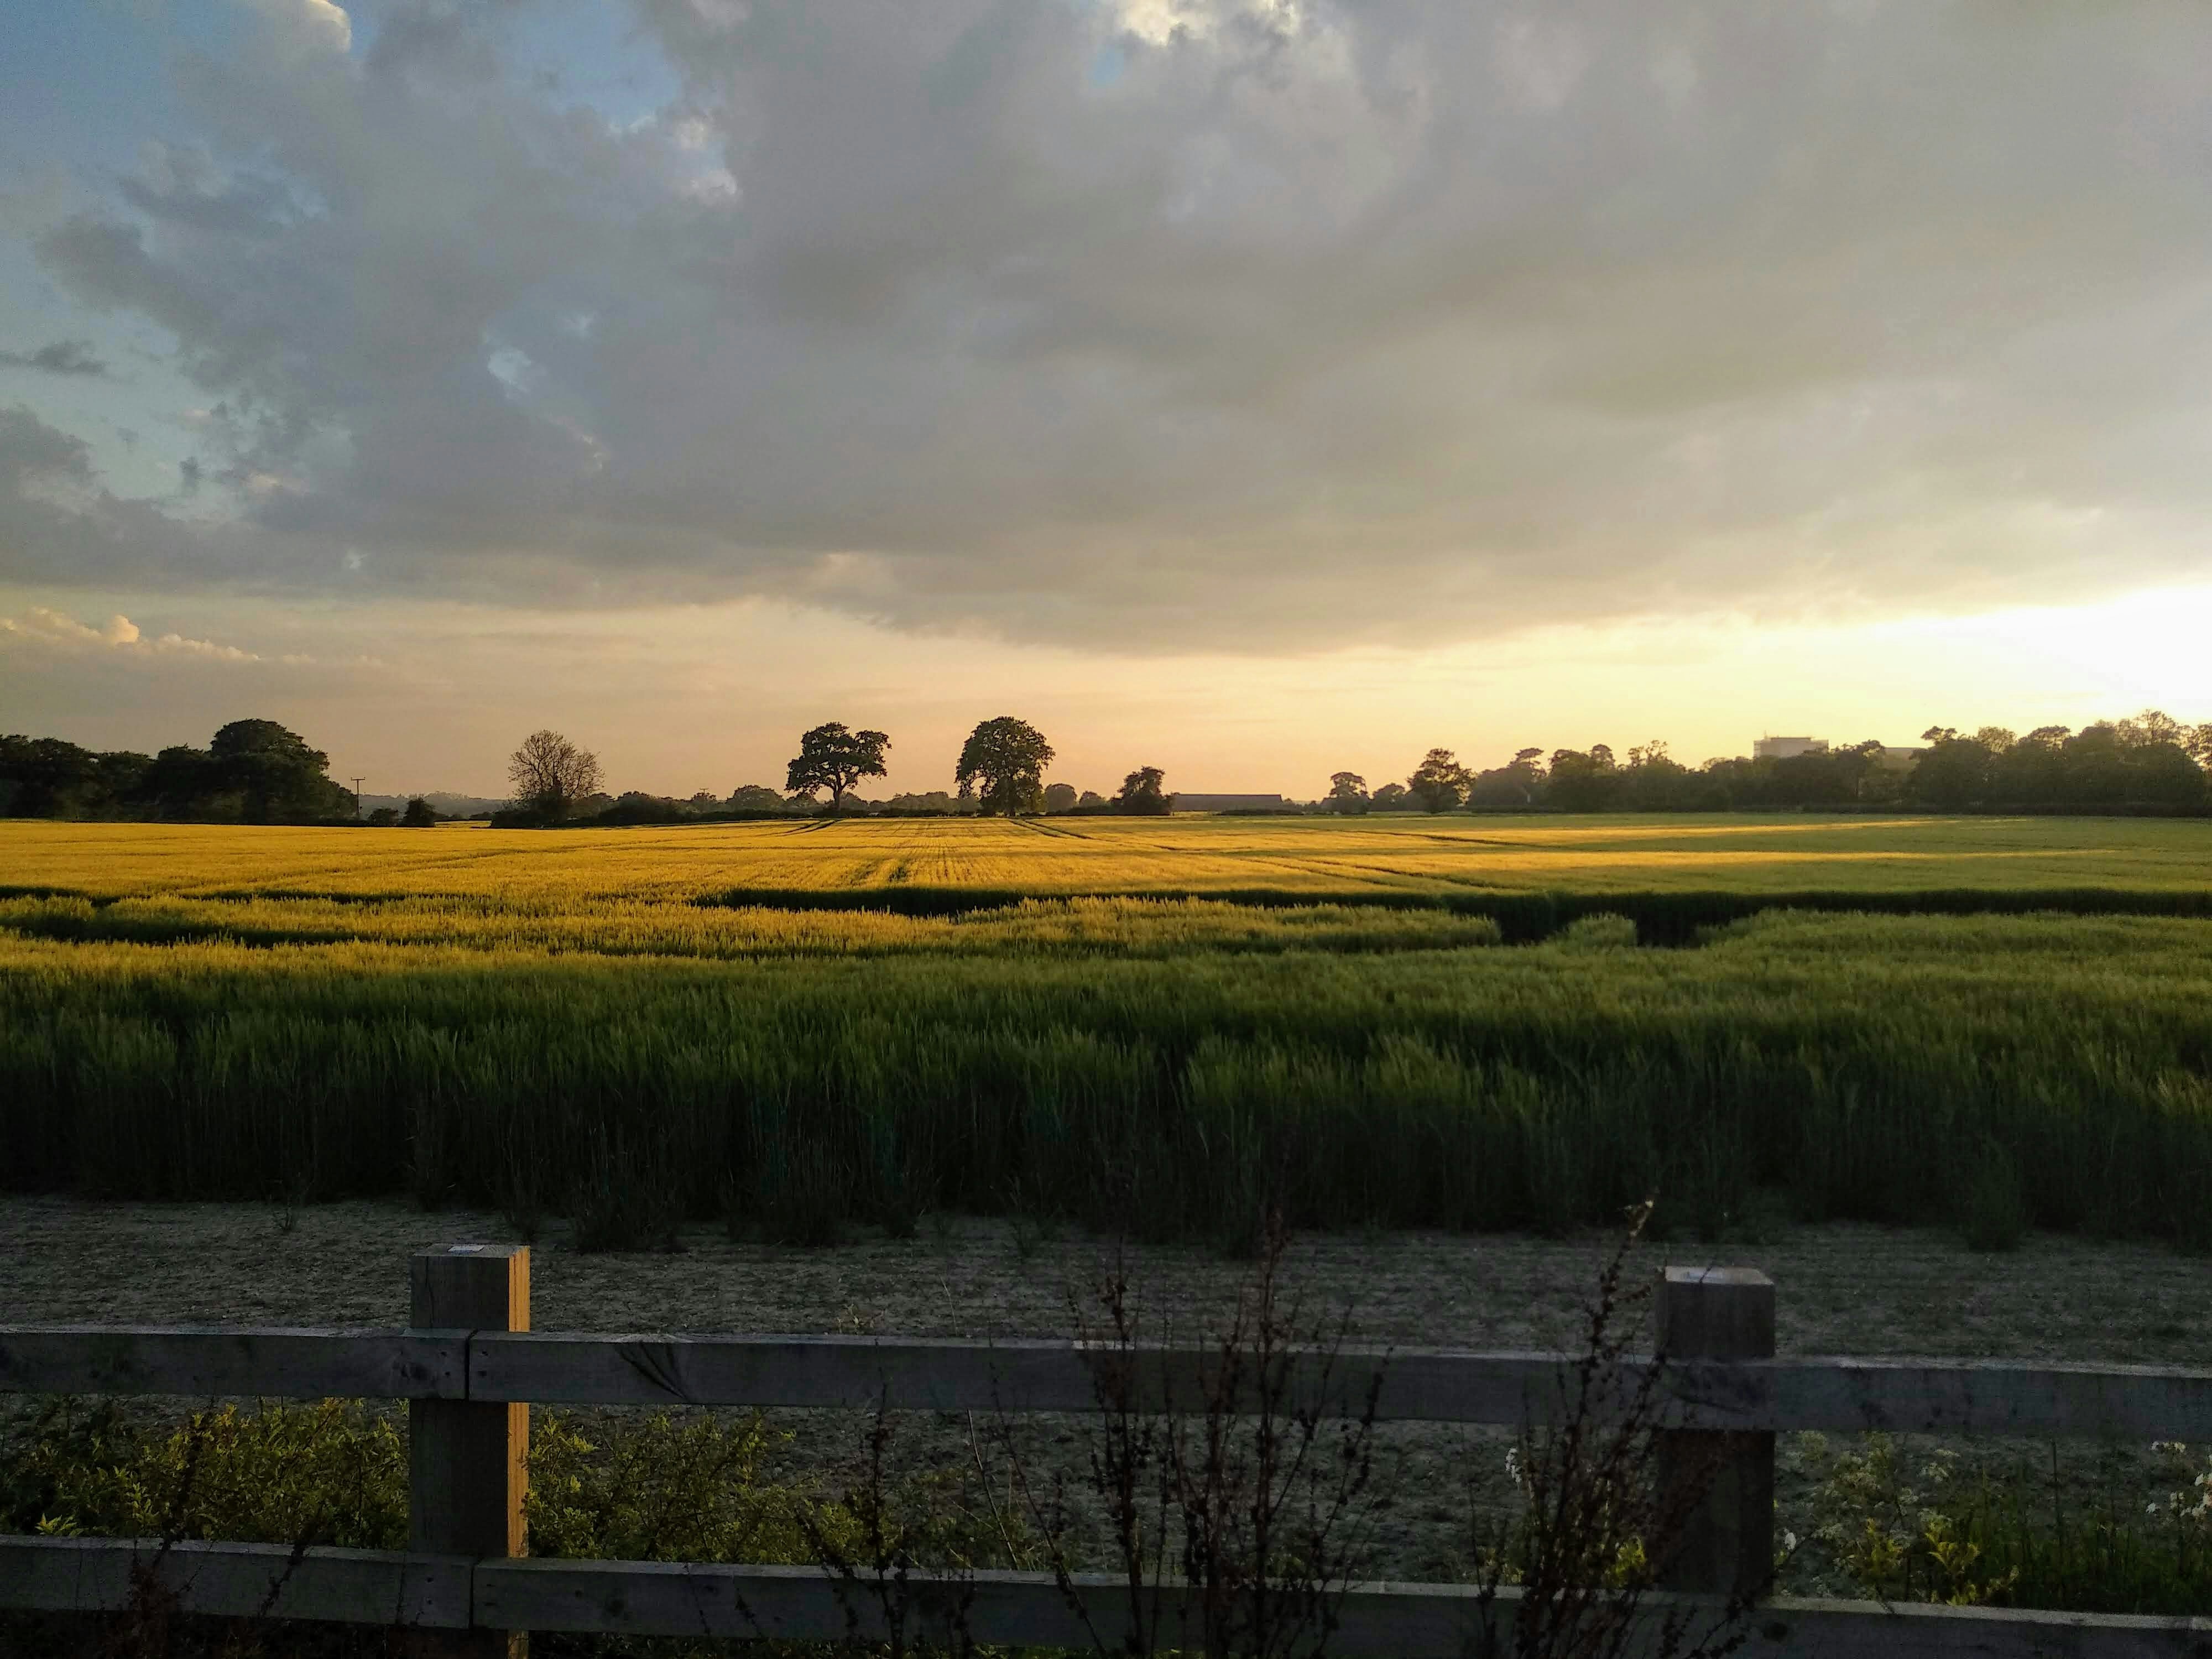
1842, 1394
469, 1367
667, 1598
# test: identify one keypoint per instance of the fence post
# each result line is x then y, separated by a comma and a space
1716, 1488
467, 1460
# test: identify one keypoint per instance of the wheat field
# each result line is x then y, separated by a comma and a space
862, 860
809, 1028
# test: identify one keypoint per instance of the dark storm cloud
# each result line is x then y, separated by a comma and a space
1247, 324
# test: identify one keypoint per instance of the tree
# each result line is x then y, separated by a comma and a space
272, 773
756, 798
1091, 798
1391, 798
1347, 793
418, 814
550, 774
1954, 772
1439, 782
51, 778
178, 782
833, 758
1584, 782
1520, 782
1654, 781
1142, 794
1004, 760
1059, 797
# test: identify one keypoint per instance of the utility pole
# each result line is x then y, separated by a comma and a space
356, 797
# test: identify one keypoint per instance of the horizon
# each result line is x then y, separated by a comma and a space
1256, 389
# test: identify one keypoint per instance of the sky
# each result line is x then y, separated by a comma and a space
1254, 388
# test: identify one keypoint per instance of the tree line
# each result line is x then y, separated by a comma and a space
256, 771
1001, 771
2151, 762
252, 771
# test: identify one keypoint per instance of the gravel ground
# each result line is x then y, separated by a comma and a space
1842, 1288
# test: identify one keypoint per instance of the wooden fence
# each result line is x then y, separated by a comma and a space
468, 1364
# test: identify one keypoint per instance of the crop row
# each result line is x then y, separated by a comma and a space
2044, 1069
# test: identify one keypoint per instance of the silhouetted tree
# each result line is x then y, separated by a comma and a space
1091, 798
178, 782
1059, 797
1655, 781
551, 777
833, 758
49, 778
1956, 771
418, 814
273, 774
1142, 794
1584, 782
1520, 782
756, 798
1439, 782
1347, 793
1392, 797
1004, 760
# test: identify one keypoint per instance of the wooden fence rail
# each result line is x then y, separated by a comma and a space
676, 1598
469, 1367
1841, 1395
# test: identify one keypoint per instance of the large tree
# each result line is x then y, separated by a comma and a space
273, 773
1142, 794
1347, 793
1003, 760
1584, 782
833, 758
1439, 782
550, 774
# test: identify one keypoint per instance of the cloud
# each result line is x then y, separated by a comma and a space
301, 29
61, 357
1170, 325
39, 626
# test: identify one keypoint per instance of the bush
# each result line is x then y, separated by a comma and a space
1899, 1529
333, 1473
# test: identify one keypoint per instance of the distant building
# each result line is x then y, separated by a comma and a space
1188, 803
1787, 748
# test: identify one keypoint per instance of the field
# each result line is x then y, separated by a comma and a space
1460, 1023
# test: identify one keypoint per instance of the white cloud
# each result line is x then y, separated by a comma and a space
304, 26
39, 626
1304, 324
